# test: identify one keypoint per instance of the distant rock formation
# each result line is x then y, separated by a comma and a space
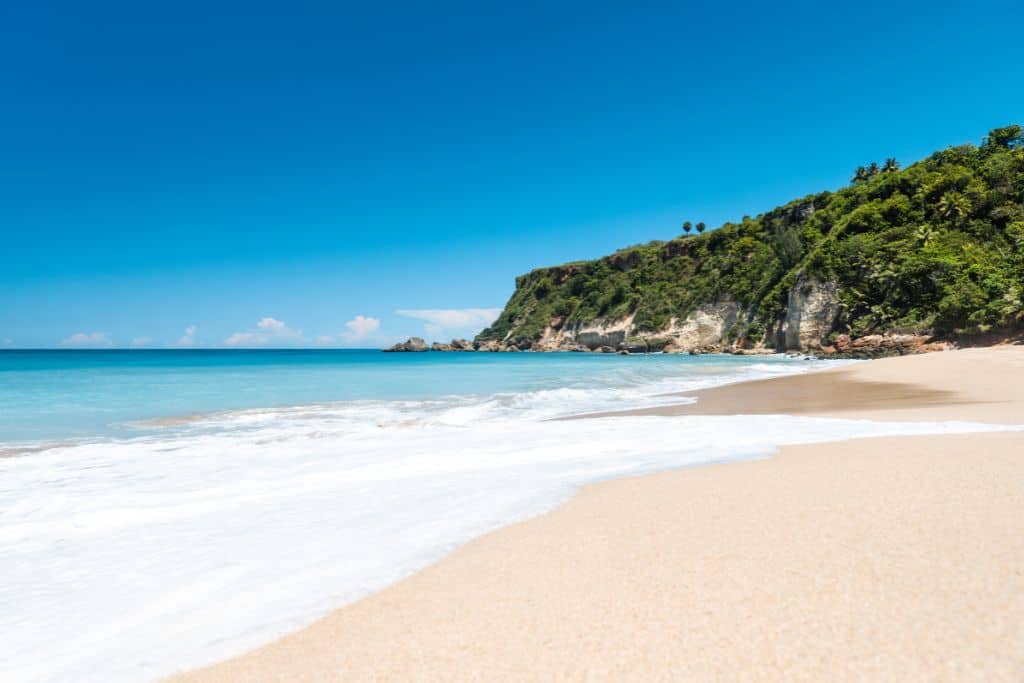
412, 344
457, 345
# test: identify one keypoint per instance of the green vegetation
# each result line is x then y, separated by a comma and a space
936, 247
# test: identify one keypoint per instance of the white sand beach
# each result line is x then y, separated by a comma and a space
874, 559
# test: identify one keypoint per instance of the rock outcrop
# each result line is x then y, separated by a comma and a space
489, 346
808, 326
723, 327
412, 344
811, 314
882, 345
417, 344
583, 337
704, 330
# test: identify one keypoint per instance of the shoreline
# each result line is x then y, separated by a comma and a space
963, 385
815, 597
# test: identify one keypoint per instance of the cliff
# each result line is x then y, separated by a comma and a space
896, 261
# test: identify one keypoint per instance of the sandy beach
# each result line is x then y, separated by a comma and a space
892, 559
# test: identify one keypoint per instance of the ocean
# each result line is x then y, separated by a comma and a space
48, 396
164, 509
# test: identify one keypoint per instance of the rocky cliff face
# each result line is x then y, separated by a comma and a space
706, 329
710, 328
594, 335
811, 315
809, 325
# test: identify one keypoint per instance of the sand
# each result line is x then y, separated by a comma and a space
897, 559
974, 384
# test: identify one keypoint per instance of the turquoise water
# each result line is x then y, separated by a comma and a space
56, 395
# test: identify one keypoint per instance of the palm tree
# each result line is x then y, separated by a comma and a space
925, 234
954, 205
687, 227
872, 170
891, 165
860, 175
700, 226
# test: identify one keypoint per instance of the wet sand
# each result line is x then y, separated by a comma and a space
876, 559
967, 384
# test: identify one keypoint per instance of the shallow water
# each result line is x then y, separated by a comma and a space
47, 395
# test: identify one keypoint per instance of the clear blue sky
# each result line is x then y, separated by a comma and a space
213, 164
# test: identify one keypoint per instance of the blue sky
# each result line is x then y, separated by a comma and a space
343, 174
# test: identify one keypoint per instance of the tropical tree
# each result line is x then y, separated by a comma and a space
1005, 138
873, 169
860, 175
925, 234
891, 165
687, 227
700, 226
954, 206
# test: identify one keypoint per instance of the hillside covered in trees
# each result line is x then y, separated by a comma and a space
934, 249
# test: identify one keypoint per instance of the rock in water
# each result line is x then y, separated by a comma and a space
411, 344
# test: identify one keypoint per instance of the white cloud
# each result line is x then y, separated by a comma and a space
189, 338
360, 327
271, 324
269, 332
94, 340
439, 321
141, 342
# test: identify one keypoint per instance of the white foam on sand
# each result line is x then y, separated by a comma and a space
127, 560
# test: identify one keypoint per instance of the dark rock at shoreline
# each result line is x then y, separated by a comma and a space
634, 347
873, 345
842, 346
462, 345
412, 344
